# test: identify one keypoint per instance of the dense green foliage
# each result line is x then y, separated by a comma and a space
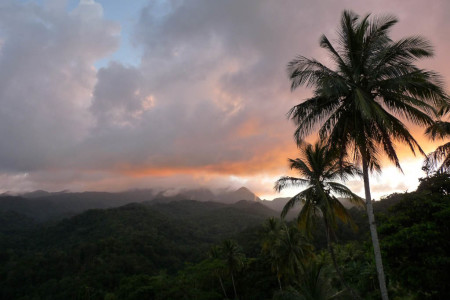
163, 252
92, 253
416, 235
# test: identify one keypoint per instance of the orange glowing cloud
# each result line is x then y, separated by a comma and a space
248, 128
270, 162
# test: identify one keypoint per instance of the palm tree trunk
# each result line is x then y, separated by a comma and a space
223, 288
338, 270
234, 286
278, 277
373, 230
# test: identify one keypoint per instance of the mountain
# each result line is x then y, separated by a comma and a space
201, 194
36, 194
41, 194
214, 211
242, 193
42, 205
38, 209
205, 195
276, 204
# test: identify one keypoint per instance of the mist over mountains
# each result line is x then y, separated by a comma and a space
42, 205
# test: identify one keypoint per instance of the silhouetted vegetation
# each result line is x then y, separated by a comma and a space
357, 102
195, 250
101, 246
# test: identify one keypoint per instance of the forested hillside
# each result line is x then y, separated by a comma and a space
97, 249
163, 251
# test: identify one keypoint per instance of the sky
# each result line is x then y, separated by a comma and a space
116, 95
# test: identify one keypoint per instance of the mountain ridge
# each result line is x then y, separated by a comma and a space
43, 205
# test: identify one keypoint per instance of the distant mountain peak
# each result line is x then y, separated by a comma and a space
242, 193
243, 188
245, 192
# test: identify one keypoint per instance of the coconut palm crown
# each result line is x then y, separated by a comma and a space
374, 81
319, 169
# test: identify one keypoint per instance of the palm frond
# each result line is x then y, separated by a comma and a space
305, 115
325, 43
439, 159
343, 191
305, 71
301, 197
402, 52
444, 108
438, 129
288, 181
300, 166
341, 213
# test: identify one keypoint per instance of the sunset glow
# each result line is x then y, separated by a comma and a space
179, 94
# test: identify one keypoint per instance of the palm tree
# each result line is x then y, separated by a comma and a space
315, 285
357, 103
319, 167
439, 159
292, 250
287, 248
214, 254
234, 259
269, 245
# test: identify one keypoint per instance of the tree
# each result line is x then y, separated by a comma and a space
319, 167
439, 159
357, 104
415, 237
269, 245
214, 255
292, 251
315, 285
234, 259
288, 251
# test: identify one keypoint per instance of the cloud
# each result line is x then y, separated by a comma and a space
119, 96
206, 104
46, 80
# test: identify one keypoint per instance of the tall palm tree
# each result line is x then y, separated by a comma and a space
318, 168
234, 259
356, 104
